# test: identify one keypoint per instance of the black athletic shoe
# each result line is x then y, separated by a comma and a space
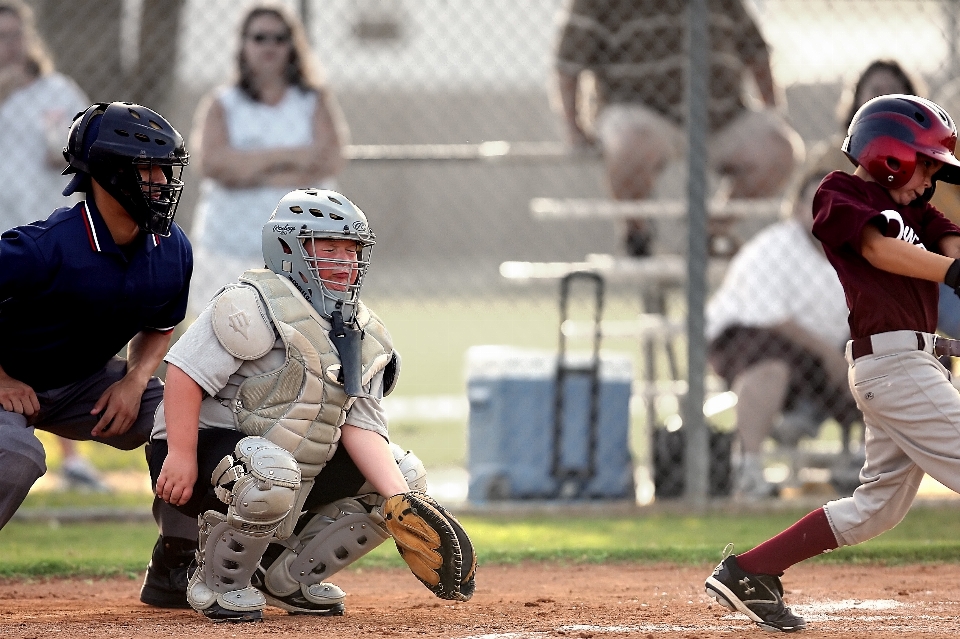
165, 584
219, 614
296, 603
760, 597
639, 240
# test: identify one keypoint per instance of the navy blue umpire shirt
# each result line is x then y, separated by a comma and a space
71, 299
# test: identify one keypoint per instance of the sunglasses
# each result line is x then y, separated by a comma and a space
275, 38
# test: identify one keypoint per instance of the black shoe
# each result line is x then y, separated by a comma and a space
297, 603
639, 240
219, 614
760, 597
165, 584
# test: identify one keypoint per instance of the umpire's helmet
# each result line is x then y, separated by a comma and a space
307, 214
111, 143
888, 132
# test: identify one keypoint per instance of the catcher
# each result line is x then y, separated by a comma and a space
277, 372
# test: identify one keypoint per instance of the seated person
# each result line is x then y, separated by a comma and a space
627, 58
947, 200
776, 329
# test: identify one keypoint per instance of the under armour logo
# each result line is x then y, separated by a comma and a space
747, 588
239, 322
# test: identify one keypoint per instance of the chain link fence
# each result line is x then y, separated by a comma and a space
497, 146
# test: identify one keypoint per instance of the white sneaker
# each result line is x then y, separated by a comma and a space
750, 482
79, 474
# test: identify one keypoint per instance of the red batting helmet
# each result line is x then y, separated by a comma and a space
888, 132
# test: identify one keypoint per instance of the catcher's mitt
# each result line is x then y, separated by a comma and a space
433, 543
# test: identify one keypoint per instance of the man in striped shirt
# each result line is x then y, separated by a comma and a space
634, 54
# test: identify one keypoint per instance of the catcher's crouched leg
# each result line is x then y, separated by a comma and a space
259, 484
335, 536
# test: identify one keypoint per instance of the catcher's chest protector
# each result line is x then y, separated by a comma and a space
301, 405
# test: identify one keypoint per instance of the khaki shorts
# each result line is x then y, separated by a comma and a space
617, 120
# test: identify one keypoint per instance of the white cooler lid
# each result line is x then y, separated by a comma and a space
497, 362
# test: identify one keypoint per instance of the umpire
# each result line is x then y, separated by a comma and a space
75, 288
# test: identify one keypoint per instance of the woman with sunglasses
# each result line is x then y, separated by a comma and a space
277, 127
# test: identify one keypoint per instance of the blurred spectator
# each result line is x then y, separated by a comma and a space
37, 105
277, 127
85, 36
880, 77
776, 329
947, 199
634, 52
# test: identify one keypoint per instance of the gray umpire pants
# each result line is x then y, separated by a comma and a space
911, 411
66, 412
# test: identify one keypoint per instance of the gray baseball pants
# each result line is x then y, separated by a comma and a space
911, 411
66, 412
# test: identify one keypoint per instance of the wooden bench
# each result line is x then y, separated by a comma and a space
654, 270
489, 151
545, 208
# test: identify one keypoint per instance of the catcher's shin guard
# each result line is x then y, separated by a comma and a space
335, 537
259, 485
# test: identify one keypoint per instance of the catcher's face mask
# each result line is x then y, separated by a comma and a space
334, 264
321, 242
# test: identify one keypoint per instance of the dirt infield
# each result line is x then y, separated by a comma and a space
516, 602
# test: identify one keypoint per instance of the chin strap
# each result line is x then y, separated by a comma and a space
347, 342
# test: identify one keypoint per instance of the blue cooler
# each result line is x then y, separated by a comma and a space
514, 448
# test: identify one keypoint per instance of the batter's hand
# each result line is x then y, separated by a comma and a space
177, 478
17, 397
118, 408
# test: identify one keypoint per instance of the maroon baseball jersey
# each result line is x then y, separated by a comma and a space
879, 301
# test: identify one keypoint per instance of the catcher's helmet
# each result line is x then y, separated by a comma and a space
111, 143
307, 214
888, 132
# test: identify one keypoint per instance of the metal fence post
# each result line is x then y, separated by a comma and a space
697, 440
951, 9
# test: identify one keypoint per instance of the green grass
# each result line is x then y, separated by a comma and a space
78, 500
928, 534
433, 335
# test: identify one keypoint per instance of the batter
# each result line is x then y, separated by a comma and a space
890, 249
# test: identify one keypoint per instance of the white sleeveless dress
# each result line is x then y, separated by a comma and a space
227, 222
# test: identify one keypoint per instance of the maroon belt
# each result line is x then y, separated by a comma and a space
862, 346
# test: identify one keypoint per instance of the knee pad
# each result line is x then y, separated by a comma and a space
259, 483
410, 466
334, 537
